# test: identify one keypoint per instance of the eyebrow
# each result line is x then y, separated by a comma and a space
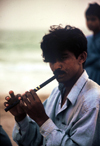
64, 54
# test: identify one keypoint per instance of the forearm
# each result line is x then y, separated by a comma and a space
27, 132
69, 136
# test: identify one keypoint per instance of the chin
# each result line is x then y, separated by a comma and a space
61, 80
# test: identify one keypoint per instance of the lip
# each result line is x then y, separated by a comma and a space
60, 76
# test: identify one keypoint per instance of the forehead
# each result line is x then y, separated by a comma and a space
66, 53
92, 17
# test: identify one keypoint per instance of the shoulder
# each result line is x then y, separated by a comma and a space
91, 94
89, 37
91, 85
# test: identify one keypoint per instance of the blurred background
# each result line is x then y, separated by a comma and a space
22, 25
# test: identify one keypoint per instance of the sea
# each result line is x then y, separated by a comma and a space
21, 64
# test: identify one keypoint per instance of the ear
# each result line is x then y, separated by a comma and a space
82, 57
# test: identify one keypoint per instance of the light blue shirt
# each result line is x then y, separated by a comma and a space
76, 123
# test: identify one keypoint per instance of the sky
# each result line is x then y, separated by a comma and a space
37, 14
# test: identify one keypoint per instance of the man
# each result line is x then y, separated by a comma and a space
70, 116
92, 65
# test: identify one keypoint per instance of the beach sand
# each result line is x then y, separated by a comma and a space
7, 120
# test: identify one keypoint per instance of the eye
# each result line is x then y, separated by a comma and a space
52, 62
91, 19
64, 57
87, 19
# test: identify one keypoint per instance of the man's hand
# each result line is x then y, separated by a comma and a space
33, 107
17, 110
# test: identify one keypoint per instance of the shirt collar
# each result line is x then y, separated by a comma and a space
76, 89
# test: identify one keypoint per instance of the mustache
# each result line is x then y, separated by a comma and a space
58, 72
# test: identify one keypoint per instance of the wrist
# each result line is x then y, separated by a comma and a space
20, 117
42, 121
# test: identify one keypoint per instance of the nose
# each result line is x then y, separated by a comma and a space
56, 65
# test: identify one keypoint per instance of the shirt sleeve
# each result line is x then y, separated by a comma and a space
4, 138
80, 133
27, 133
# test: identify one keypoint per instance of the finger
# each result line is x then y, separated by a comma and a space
30, 97
28, 94
11, 93
7, 98
18, 96
6, 104
22, 104
34, 95
25, 100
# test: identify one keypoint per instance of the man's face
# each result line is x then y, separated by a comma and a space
67, 68
93, 23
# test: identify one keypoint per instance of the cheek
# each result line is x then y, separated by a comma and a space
68, 67
51, 66
97, 24
86, 23
72, 66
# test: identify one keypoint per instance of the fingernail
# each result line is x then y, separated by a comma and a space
26, 91
19, 98
7, 98
10, 92
7, 104
30, 90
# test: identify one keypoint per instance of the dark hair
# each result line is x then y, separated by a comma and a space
60, 39
93, 9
